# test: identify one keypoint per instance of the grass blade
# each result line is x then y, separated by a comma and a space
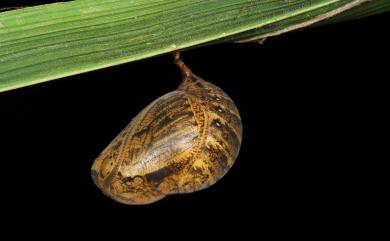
47, 42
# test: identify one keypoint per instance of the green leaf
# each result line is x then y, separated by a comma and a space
47, 42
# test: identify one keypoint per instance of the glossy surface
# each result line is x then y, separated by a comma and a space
182, 142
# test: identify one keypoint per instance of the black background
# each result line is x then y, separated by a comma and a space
313, 162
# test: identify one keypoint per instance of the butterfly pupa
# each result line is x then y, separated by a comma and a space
182, 142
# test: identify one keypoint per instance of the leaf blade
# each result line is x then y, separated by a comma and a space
52, 41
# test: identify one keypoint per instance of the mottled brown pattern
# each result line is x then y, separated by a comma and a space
182, 142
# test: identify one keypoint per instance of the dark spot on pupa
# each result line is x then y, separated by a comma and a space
217, 108
141, 132
216, 123
117, 145
199, 84
165, 121
157, 176
129, 179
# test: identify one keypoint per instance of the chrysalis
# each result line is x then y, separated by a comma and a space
184, 141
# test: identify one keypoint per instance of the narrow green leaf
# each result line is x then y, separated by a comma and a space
52, 41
